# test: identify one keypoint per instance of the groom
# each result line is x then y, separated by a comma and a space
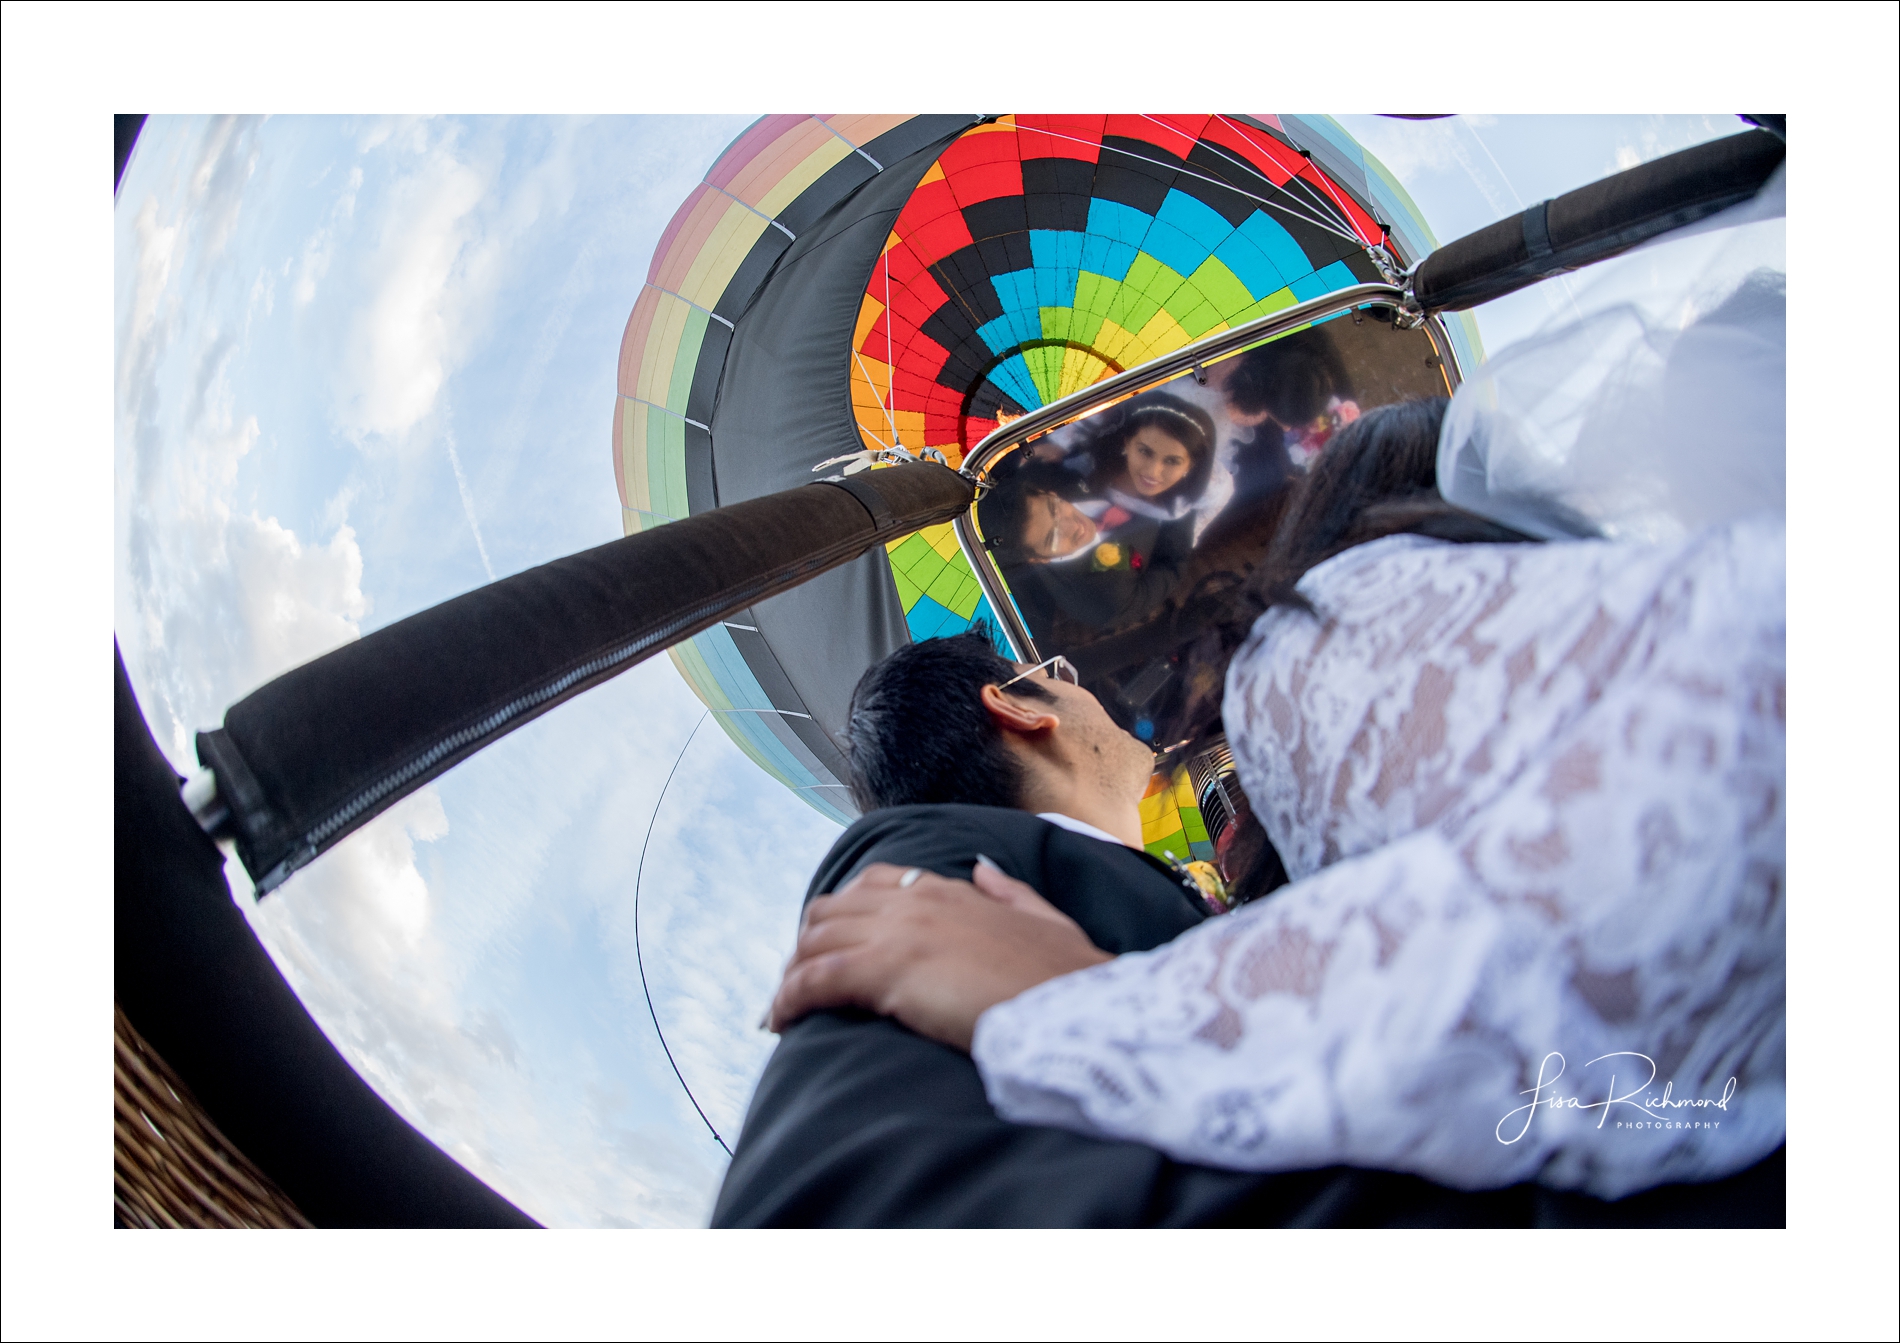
859, 1122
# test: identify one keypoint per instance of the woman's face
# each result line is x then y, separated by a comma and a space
1055, 528
1156, 460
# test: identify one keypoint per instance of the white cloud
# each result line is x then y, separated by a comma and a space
411, 333
156, 244
225, 598
444, 240
383, 129
315, 262
227, 157
263, 297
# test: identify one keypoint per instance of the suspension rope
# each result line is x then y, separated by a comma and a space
889, 417
890, 356
640, 961
1330, 202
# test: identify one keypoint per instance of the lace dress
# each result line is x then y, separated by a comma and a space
1531, 799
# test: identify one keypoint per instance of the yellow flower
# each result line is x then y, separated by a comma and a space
1208, 878
1108, 554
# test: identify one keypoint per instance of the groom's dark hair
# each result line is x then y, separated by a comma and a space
919, 732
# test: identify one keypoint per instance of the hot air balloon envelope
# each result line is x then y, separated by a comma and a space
845, 285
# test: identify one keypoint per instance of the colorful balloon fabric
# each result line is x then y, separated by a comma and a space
1041, 254
712, 262
1032, 256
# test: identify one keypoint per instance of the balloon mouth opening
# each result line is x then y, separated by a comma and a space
976, 420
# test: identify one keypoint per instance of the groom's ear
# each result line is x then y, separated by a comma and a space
1020, 717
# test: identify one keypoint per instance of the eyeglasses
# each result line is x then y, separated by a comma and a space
1059, 669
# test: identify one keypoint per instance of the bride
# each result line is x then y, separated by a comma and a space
1528, 799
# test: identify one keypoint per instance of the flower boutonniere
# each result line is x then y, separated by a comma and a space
1112, 555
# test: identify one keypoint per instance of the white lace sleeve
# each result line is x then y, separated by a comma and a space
1609, 923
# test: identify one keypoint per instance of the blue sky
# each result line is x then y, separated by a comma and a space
365, 364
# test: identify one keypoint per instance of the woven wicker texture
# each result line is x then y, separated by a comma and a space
170, 1165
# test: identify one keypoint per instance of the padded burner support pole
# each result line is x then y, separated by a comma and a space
1596, 222
322, 749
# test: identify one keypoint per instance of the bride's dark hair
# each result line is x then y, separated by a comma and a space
1106, 439
1377, 477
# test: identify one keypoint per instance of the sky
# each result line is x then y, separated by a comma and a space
365, 364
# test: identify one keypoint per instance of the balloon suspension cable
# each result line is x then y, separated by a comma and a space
890, 355
1338, 206
886, 399
640, 961
1329, 203
888, 416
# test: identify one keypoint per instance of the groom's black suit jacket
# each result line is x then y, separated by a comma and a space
859, 1122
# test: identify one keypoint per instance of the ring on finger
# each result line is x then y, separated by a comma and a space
910, 876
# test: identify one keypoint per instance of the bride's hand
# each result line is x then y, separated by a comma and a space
935, 954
